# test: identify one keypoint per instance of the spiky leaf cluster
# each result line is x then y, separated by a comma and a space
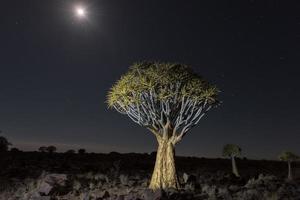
288, 156
231, 150
163, 97
167, 80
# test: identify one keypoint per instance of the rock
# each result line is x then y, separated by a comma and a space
223, 193
189, 186
131, 196
212, 191
45, 188
262, 181
254, 194
185, 177
84, 196
270, 195
105, 194
123, 179
120, 197
144, 183
233, 188
101, 177
76, 185
59, 179
251, 183
52, 184
149, 194
205, 188
131, 183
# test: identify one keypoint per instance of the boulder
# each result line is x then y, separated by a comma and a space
185, 177
45, 188
59, 179
105, 195
123, 179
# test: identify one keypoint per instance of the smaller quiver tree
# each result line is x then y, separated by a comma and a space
288, 157
232, 151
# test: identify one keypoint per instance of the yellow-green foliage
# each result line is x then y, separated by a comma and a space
231, 150
161, 78
288, 156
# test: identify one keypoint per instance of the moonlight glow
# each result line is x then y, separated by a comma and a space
80, 12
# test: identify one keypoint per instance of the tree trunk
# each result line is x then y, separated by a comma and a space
164, 175
290, 177
234, 168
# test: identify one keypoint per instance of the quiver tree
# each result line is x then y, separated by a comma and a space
232, 151
288, 157
167, 99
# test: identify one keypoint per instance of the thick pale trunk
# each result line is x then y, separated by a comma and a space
234, 168
290, 177
164, 175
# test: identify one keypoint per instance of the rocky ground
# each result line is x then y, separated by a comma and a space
126, 177
100, 186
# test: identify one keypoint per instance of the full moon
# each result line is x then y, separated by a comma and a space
80, 12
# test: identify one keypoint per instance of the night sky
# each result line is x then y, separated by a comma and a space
56, 70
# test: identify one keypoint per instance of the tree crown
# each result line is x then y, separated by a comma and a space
231, 150
51, 149
163, 79
4, 143
163, 97
288, 156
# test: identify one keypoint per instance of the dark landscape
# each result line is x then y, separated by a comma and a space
90, 176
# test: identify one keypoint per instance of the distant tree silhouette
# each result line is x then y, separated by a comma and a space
288, 157
81, 151
51, 149
70, 151
4, 144
168, 99
114, 153
43, 149
232, 151
15, 150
